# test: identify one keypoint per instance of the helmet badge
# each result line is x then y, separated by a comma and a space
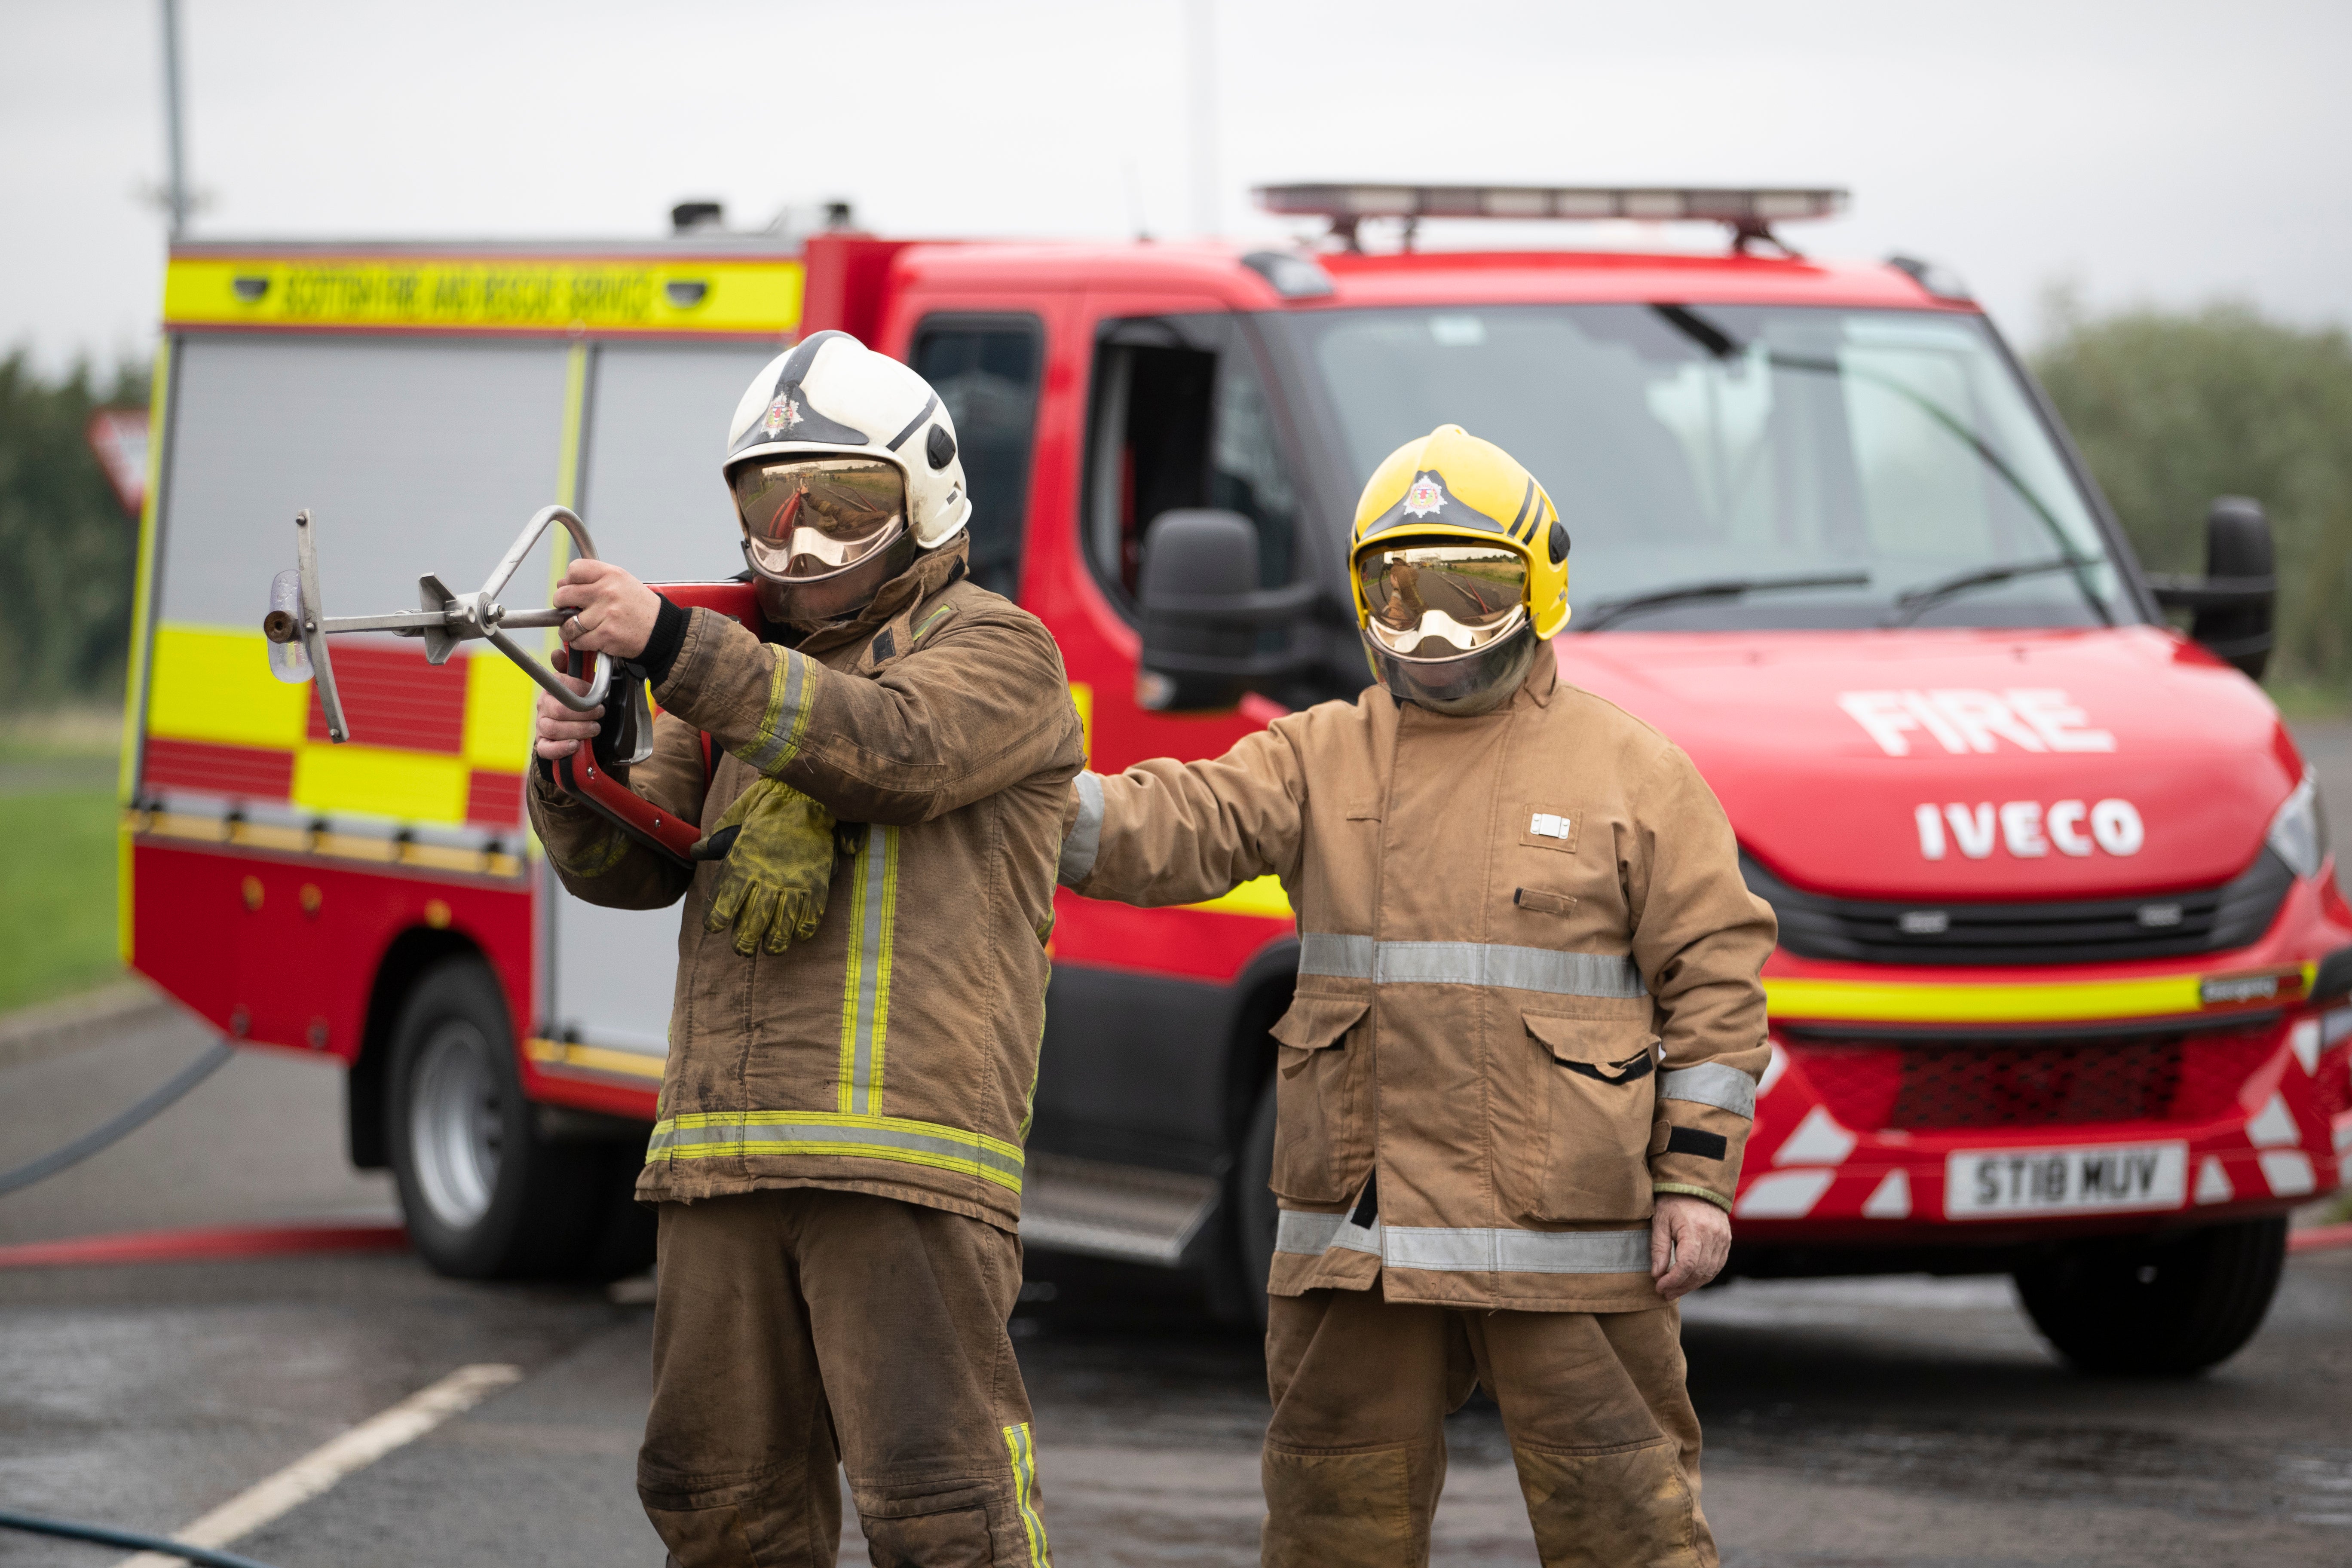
1424, 497
782, 415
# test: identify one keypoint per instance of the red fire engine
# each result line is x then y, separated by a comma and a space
2063, 978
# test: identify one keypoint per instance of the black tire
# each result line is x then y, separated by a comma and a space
2158, 1305
1256, 1213
487, 1195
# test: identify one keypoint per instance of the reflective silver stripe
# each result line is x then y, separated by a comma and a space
1498, 1251
1468, 963
1079, 849
1450, 1250
779, 727
1349, 957
1314, 1234
706, 1134
865, 1011
1711, 1083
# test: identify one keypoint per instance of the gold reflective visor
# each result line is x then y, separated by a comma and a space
1434, 601
808, 517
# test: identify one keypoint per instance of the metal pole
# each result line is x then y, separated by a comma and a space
1201, 57
177, 193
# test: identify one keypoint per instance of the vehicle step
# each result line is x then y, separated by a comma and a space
1102, 1210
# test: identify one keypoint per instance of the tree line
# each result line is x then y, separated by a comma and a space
67, 553
2170, 409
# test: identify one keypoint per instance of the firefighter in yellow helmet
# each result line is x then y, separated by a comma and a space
1516, 1074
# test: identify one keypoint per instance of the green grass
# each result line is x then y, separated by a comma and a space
57, 894
2299, 699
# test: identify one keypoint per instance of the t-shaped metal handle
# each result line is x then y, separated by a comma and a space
444, 621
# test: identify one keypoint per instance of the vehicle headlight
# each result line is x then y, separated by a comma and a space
2298, 834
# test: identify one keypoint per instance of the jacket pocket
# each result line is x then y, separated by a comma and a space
1323, 1092
1600, 1094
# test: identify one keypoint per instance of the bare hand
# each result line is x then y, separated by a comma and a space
611, 610
1689, 1240
560, 730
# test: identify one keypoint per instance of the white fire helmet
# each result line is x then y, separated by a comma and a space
843, 463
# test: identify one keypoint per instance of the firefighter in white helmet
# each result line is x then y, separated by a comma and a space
1516, 1077
861, 986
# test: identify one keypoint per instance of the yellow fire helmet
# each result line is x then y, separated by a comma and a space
1459, 564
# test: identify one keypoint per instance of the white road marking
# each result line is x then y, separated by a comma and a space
322, 1468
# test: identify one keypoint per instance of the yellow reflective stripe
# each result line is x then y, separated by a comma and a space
125, 884
378, 781
866, 982
567, 452
790, 686
213, 683
141, 658
368, 849
875, 1025
690, 1119
1081, 698
596, 1058
845, 1091
158, 410
1259, 896
702, 1135
1024, 1450
1890, 1001
934, 618
482, 293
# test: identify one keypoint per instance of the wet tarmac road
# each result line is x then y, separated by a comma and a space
1902, 1421
1907, 1421
1894, 1422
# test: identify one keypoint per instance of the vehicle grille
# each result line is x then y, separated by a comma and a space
1932, 1085
2098, 931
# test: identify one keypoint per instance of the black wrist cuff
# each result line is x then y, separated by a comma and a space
661, 647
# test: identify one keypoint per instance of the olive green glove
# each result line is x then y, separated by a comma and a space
779, 847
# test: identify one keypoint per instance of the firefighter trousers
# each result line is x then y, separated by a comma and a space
804, 1332
1601, 1429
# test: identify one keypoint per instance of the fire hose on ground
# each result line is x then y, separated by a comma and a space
106, 1536
121, 1126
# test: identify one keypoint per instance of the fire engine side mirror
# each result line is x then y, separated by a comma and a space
2232, 605
1209, 632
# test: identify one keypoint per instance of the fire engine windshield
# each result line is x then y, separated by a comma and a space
1745, 466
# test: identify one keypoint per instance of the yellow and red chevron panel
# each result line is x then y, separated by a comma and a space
441, 745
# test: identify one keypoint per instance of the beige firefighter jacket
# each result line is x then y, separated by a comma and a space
896, 1051
1527, 995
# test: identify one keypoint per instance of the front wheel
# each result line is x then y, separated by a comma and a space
486, 1192
2160, 1305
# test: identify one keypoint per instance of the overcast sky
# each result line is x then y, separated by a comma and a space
2152, 151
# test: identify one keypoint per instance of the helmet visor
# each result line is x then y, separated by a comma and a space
1432, 601
813, 516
